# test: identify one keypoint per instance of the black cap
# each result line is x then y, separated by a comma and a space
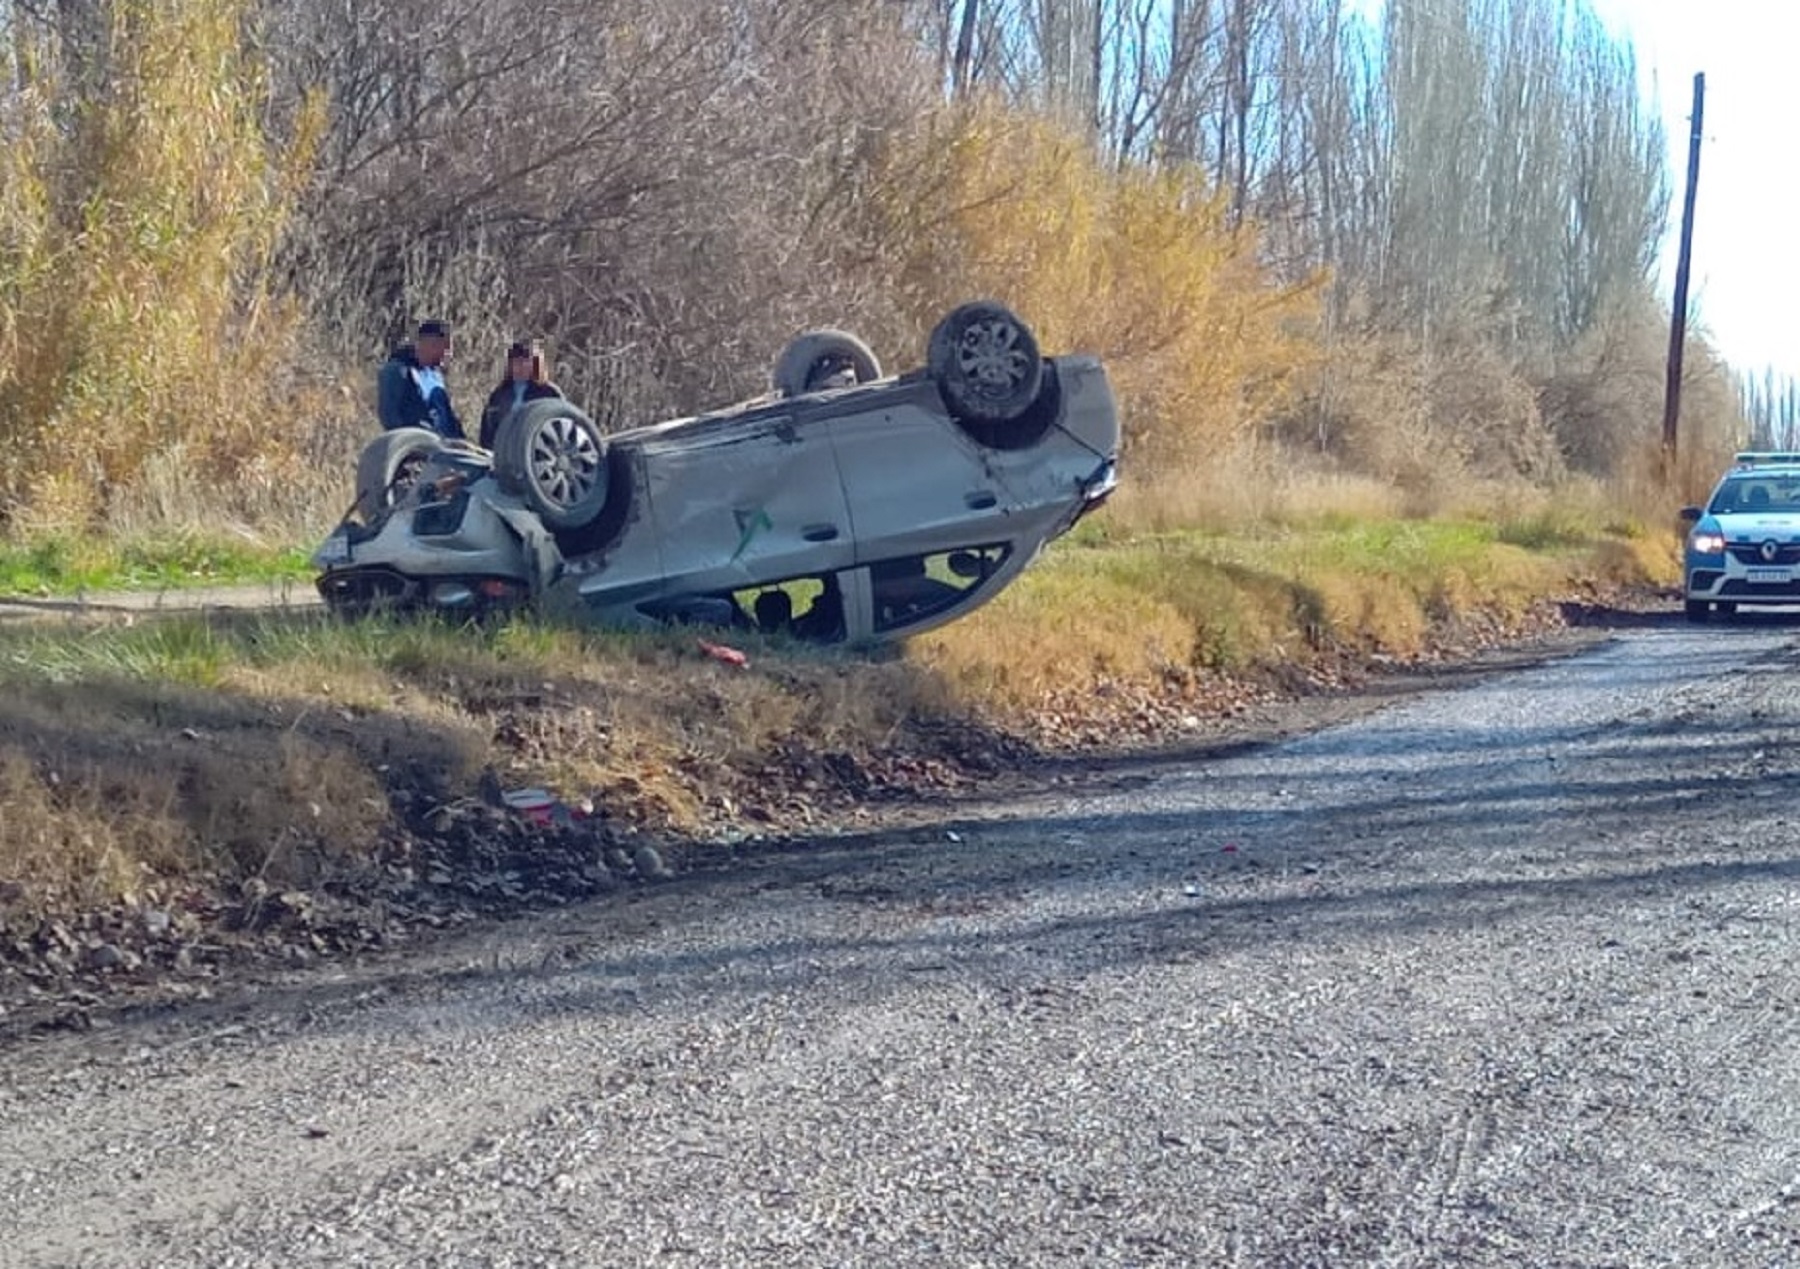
518, 349
434, 327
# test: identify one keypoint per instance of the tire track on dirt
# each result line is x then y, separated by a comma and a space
1444, 1180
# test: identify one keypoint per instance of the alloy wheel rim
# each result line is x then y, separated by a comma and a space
565, 461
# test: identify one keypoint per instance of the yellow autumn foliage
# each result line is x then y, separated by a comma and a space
1140, 265
137, 313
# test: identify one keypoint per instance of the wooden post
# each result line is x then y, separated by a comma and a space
1678, 319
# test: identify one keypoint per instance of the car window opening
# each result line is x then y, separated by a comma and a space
810, 608
1766, 494
913, 587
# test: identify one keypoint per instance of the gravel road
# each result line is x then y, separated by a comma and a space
1498, 976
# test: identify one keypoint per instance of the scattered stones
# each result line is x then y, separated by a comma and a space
600, 876
443, 865
105, 956
650, 865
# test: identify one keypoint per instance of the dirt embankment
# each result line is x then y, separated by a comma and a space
449, 836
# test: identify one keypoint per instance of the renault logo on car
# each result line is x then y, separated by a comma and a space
1770, 550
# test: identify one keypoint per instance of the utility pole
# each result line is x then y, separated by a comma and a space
1678, 320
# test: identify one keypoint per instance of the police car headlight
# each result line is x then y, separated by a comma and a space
1707, 543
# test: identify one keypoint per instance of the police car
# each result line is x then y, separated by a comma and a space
1743, 546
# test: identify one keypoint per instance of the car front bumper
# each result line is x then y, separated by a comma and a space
1725, 579
1095, 490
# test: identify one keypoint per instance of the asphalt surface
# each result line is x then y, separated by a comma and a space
1499, 976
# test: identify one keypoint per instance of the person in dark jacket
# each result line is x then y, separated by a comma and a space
411, 388
525, 380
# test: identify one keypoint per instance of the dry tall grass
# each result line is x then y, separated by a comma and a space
1141, 266
1465, 409
138, 311
1128, 605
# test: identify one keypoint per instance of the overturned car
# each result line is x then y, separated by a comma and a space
844, 506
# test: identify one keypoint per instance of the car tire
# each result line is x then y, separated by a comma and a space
387, 466
553, 456
1697, 609
985, 362
817, 355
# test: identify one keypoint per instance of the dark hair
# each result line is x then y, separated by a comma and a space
524, 348
434, 327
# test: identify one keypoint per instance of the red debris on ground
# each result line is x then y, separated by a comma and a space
719, 652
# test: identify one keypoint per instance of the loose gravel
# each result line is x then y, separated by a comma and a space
1502, 975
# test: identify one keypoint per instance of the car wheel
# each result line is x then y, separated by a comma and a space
554, 457
388, 467
1696, 609
812, 360
985, 362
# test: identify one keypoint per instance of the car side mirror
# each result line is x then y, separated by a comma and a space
1690, 514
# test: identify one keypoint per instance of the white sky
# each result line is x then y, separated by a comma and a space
1744, 283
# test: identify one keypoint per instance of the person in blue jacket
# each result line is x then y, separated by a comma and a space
412, 390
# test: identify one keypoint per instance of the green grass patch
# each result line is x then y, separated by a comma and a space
187, 652
1554, 528
1195, 598
66, 565
1144, 607
203, 650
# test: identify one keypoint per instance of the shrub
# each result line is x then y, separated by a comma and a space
1137, 264
138, 213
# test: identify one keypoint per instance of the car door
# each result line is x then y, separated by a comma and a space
915, 481
747, 499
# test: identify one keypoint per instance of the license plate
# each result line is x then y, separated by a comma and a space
1769, 574
334, 550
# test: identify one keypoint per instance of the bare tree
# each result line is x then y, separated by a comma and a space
652, 184
1771, 405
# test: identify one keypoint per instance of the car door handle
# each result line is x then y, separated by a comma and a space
980, 500
819, 532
